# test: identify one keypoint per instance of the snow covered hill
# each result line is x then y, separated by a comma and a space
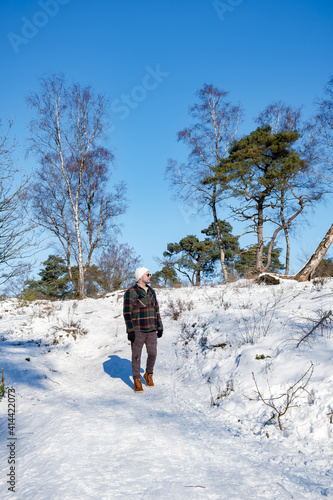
232, 359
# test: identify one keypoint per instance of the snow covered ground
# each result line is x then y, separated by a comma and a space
72, 427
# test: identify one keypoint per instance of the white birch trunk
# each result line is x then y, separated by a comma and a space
307, 271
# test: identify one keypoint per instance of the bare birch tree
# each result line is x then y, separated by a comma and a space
324, 125
70, 198
116, 265
14, 227
209, 139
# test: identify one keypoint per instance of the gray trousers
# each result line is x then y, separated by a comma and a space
141, 338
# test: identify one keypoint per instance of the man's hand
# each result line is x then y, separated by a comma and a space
159, 333
131, 336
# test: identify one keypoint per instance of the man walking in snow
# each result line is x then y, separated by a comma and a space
143, 325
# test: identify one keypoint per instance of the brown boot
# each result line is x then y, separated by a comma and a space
149, 379
138, 385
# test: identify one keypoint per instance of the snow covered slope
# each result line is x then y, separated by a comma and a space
76, 430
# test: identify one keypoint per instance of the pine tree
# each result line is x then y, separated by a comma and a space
192, 257
259, 167
246, 262
54, 279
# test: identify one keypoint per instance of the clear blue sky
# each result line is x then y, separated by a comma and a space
160, 53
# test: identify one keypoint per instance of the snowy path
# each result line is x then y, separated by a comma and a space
84, 434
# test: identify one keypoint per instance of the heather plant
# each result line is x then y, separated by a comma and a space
177, 307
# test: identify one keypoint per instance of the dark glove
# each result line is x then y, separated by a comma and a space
131, 336
159, 333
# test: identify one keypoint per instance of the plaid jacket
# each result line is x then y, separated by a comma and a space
141, 310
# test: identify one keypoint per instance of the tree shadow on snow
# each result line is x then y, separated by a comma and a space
21, 363
121, 368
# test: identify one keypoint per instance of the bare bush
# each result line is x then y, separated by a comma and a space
322, 323
287, 400
176, 308
187, 332
257, 326
69, 327
219, 299
318, 283
2, 384
222, 393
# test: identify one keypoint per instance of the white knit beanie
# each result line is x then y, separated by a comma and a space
139, 272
